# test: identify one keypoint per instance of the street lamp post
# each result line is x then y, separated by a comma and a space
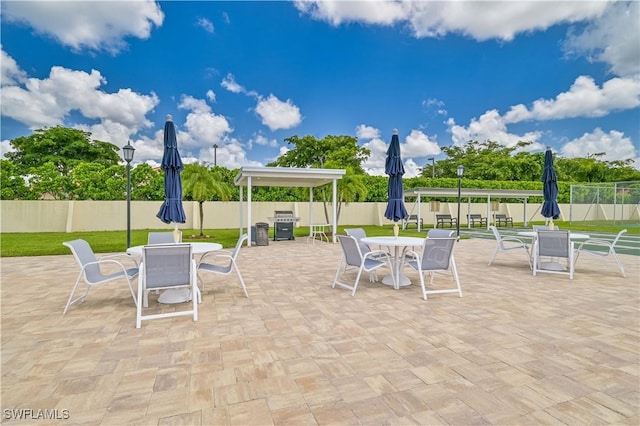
128, 151
433, 167
460, 174
215, 154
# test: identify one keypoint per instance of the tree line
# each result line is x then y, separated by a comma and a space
63, 163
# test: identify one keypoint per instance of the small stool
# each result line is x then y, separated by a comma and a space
317, 230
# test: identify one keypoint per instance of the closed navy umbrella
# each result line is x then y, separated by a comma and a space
171, 210
550, 208
395, 169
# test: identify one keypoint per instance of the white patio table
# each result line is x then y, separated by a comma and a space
178, 295
396, 279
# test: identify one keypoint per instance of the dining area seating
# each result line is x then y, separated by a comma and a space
164, 267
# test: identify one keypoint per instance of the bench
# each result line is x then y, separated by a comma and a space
476, 218
413, 218
441, 219
502, 219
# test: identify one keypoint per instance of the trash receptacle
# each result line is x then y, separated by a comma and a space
262, 234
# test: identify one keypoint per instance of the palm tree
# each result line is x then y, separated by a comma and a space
201, 184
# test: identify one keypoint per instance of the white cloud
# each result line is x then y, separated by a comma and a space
211, 95
367, 132
10, 73
491, 127
375, 164
260, 139
229, 83
584, 99
205, 24
277, 114
95, 25
615, 144
5, 146
417, 144
203, 127
480, 20
49, 101
612, 39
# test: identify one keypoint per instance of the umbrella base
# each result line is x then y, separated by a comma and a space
404, 281
179, 295
553, 266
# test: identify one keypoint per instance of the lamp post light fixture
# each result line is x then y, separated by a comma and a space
128, 151
460, 174
215, 154
433, 167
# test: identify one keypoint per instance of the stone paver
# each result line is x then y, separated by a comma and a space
515, 349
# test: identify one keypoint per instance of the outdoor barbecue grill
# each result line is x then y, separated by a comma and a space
283, 221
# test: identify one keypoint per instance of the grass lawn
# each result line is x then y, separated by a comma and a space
50, 243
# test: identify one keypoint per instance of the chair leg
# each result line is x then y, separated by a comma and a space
335, 279
69, 301
355, 286
615, 255
495, 253
241, 280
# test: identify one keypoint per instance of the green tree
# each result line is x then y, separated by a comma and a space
201, 184
333, 152
46, 180
147, 183
13, 185
95, 181
63, 147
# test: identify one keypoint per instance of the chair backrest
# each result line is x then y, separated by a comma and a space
618, 237
553, 243
350, 249
540, 228
167, 265
162, 238
436, 253
84, 255
439, 233
359, 233
236, 249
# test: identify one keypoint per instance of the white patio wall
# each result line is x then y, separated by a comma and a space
76, 216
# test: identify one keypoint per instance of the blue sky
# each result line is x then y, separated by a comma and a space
247, 75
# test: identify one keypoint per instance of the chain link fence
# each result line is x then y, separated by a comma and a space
609, 204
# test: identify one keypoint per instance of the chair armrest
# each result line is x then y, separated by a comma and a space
120, 255
225, 254
514, 240
105, 260
376, 253
595, 242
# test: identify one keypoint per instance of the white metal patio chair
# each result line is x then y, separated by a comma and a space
166, 266
554, 245
608, 246
162, 238
520, 245
229, 262
352, 257
91, 272
436, 257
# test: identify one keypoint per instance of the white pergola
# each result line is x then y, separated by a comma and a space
469, 193
289, 177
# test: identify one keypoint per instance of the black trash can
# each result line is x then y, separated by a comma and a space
262, 234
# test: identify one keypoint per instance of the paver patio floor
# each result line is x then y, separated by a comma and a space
515, 349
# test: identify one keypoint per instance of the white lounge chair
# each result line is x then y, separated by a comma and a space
520, 245
166, 266
352, 257
229, 262
608, 246
554, 245
91, 273
436, 257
